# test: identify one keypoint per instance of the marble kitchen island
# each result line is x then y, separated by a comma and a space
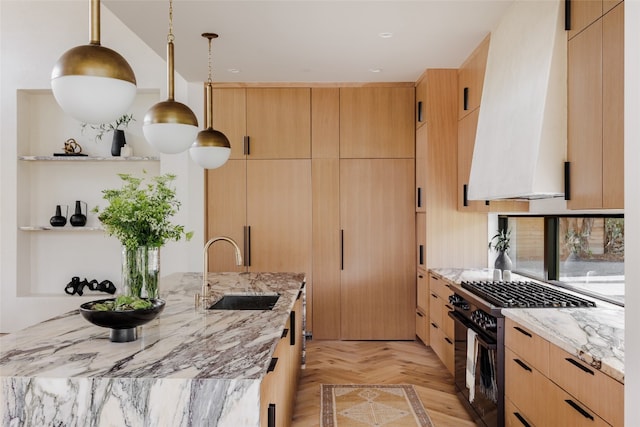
188, 367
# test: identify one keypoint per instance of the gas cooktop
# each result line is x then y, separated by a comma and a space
524, 294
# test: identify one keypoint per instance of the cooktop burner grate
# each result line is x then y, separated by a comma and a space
524, 294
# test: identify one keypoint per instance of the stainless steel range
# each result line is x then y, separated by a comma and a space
479, 338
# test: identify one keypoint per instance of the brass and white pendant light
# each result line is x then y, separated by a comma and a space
170, 126
92, 83
212, 148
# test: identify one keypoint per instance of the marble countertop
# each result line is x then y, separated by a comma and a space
594, 335
74, 363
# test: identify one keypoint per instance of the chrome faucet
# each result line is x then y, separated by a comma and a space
203, 296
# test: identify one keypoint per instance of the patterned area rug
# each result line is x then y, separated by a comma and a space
371, 405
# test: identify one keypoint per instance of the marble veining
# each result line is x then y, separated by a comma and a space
594, 335
189, 367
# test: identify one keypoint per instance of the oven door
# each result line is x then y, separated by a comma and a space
483, 406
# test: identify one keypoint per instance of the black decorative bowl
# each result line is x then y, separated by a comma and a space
122, 323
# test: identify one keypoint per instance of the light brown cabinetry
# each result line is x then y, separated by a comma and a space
421, 168
278, 388
264, 123
421, 102
595, 147
378, 269
471, 79
441, 326
422, 307
377, 122
545, 385
265, 206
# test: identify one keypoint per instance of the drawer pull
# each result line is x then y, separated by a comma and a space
577, 407
272, 364
522, 365
521, 419
448, 340
285, 332
434, 325
419, 314
434, 295
522, 331
579, 365
449, 307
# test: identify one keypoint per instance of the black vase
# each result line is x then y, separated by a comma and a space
58, 220
78, 219
118, 142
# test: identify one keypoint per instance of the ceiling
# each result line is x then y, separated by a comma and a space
313, 41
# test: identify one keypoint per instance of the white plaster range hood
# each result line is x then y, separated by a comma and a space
521, 138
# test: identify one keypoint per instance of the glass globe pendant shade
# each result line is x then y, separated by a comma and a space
170, 127
211, 149
92, 83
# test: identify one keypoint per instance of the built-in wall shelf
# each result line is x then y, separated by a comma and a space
89, 159
69, 228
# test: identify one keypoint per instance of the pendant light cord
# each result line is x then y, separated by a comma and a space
210, 67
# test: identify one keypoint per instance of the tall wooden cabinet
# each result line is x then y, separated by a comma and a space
595, 147
378, 268
334, 201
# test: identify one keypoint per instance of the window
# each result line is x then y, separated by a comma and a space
583, 253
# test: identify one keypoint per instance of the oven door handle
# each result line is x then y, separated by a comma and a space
489, 343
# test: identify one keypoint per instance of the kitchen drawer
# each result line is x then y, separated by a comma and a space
567, 411
422, 329
513, 417
442, 346
525, 387
527, 344
598, 391
435, 308
422, 291
448, 325
439, 287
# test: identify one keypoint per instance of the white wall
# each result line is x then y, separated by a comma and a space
632, 212
33, 34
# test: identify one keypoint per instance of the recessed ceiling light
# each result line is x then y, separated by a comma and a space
375, 70
233, 70
385, 35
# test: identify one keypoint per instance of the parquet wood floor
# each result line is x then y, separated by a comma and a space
378, 362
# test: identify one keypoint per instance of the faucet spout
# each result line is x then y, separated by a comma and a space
204, 295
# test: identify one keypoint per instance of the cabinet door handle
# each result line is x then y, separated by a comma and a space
421, 253
434, 325
577, 407
247, 246
579, 365
419, 111
465, 201
285, 332
419, 196
522, 331
272, 364
567, 180
449, 307
448, 340
465, 98
434, 295
271, 415
522, 365
246, 145
299, 295
292, 325
521, 419
420, 276
419, 314
341, 249
567, 15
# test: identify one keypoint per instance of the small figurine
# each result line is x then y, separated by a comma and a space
72, 147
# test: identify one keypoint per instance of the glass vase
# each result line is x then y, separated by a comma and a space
140, 271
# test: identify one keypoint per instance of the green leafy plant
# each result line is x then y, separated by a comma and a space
102, 128
139, 214
501, 241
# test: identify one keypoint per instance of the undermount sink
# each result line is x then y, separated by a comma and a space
246, 302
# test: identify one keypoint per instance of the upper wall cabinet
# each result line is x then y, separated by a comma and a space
421, 102
471, 79
595, 147
265, 123
377, 122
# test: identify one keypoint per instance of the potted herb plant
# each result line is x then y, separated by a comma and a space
117, 127
139, 215
501, 242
